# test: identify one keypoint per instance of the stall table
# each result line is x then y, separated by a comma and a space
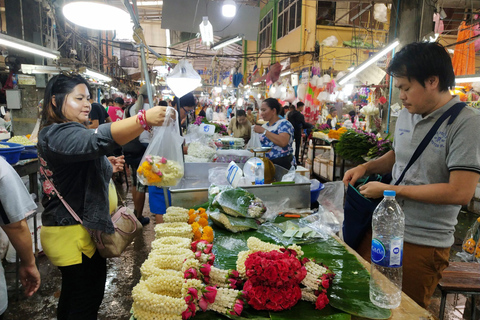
408, 308
29, 168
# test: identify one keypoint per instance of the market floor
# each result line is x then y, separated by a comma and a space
124, 273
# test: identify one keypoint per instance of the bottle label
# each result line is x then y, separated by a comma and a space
387, 258
396, 252
378, 251
259, 180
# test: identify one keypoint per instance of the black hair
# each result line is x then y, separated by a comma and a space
241, 113
300, 104
103, 101
250, 108
60, 86
421, 60
273, 104
163, 103
188, 100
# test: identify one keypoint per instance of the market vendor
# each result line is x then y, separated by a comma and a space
239, 126
276, 133
332, 118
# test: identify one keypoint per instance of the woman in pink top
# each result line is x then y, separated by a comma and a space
116, 112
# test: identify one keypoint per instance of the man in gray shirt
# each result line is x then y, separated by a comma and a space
441, 180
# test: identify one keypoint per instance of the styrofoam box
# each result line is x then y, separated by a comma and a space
474, 206
477, 191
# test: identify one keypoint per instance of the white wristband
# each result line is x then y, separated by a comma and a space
265, 132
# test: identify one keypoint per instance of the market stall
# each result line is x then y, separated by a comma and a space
220, 273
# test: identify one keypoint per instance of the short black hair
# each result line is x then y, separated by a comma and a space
421, 60
300, 104
273, 104
250, 108
103, 101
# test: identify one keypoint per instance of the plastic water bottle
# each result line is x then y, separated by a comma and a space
388, 224
259, 175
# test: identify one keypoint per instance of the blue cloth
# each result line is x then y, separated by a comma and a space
156, 199
278, 127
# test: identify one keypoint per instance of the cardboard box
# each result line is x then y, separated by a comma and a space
324, 169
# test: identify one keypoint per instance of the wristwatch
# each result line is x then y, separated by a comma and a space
265, 132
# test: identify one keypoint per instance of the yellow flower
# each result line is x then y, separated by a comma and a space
191, 211
203, 222
197, 233
192, 218
207, 234
201, 210
204, 215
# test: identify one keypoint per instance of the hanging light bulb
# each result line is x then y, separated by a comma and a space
206, 31
229, 9
183, 79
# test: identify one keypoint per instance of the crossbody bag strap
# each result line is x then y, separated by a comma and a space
72, 212
451, 113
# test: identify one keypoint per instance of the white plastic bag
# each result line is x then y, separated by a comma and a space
162, 163
254, 142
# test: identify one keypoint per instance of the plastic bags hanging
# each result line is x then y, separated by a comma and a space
471, 244
162, 163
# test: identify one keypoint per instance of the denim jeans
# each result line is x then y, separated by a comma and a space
83, 286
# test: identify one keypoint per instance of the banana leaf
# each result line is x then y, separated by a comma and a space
234, 202
233, 224
350, 289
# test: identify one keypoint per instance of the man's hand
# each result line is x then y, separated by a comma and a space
374, 190
30, 278
117, 163
352, 175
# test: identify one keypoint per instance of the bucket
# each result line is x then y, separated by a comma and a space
11, 154
315, 193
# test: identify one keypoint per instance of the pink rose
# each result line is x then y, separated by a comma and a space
203, 304
187, 314
193, 292
205, 269
191, 274
322, 301
238, 308
210, 294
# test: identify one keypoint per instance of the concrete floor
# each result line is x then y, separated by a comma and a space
124, 273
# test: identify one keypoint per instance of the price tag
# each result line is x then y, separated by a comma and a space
208, 129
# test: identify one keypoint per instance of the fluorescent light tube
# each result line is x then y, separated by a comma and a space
148, 3
465, 79
368, 63
97, 75
286, 73
227, 42
28, 47
256, 83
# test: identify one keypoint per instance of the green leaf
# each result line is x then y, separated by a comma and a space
235, 202
350, 289
304, 310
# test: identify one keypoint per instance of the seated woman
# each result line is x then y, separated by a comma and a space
332, 118
276, 133
239, 126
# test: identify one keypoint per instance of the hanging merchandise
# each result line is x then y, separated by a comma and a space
237, 79
315, 81
326, 78
464, 55
274, 91
183, 79
380, 12
301, 91
274, 73
323, 96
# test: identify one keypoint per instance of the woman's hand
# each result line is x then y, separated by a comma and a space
258, 129
156, 116
117, 163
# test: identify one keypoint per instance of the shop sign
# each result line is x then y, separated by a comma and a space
26, 80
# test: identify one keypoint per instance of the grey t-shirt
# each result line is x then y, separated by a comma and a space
454, 147
15, 203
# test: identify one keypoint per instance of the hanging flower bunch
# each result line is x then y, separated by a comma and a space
160, 172
199, 221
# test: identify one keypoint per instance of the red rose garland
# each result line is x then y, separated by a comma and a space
273, 280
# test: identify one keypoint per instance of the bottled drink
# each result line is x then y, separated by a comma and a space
259, 175
388, 224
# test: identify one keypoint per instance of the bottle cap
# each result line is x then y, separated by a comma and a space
389, 193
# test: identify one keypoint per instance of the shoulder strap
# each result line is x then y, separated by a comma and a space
451, 113
72, 212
